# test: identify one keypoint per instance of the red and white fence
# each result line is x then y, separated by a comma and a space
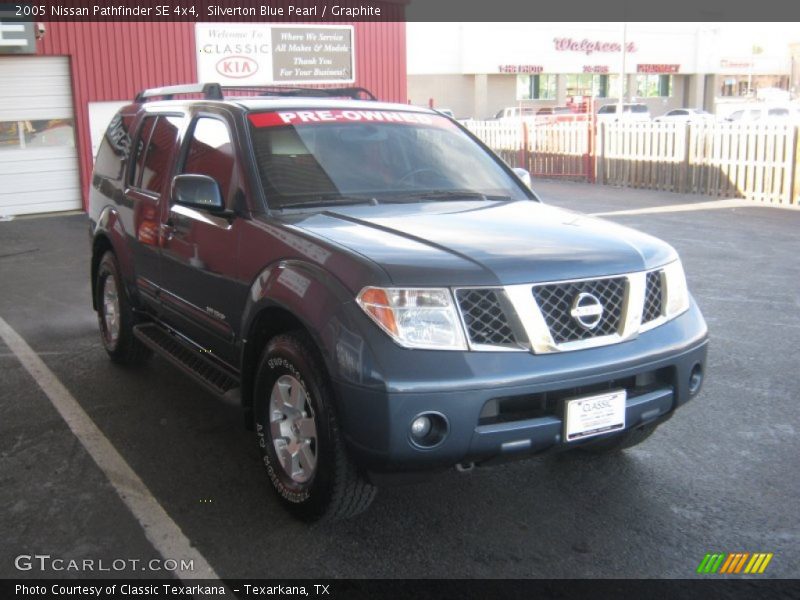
757, 161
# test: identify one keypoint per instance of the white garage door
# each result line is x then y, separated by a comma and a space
38, 157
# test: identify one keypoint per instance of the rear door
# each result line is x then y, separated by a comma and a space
154, 151
199, 289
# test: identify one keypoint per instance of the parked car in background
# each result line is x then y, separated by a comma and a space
686, 115
765, 114
631, 111
558, 114
516, 112
553, 110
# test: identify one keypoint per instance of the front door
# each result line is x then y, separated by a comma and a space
199, 248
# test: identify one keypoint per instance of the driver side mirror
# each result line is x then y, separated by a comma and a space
197, 191
523, 175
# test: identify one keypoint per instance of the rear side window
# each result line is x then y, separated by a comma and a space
211, 153
153, 164
142, 139
638, 108
115, 148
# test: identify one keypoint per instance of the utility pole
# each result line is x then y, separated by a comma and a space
622, 71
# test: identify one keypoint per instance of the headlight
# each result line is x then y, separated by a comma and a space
677, 300
415, 317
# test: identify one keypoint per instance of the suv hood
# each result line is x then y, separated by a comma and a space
485, 243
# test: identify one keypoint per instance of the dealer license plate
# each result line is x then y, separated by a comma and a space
594, 415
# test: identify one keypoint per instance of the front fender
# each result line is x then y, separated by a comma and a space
324, 306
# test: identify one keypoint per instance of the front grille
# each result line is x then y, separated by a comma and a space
556, 302
486, 322
653, 297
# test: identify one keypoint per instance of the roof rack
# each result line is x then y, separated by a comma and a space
340, 92
213, 91
210, 91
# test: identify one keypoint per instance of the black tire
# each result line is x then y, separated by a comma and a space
123, 347
618, 443
335, 488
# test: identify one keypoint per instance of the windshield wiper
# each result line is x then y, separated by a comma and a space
454, 195
331, 200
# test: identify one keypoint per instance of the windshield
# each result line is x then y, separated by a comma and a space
329, 156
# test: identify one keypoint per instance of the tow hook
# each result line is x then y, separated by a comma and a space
465, 467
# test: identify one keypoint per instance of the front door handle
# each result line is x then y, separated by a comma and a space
167, 231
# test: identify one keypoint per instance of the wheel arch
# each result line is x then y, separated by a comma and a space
108, 234
286, 296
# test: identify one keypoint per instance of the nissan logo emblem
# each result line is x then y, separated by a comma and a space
587, 310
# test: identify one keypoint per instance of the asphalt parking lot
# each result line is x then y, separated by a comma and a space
721, 476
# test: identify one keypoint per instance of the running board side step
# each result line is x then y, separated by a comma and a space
215, 377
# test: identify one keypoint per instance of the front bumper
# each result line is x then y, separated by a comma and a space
655, 368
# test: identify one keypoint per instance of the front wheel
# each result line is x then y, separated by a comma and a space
115, 315
298, 434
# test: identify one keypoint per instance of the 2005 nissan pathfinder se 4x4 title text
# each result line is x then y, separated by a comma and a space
378, 290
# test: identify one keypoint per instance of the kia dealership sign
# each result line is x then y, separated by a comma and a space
261, 54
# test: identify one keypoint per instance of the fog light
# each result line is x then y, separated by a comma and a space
420, 427
695, 379
428, 430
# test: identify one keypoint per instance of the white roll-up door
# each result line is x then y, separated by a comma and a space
38, 157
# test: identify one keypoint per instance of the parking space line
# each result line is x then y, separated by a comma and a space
688, 207
163, 533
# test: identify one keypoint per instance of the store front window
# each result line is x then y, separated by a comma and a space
590, 85
653, 86
536, 87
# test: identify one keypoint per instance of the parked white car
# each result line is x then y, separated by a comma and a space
516, 112
631, 111
686, 115
765, 114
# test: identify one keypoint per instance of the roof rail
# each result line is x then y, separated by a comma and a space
340, 92
210, 91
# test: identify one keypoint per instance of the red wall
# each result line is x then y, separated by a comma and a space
113, 61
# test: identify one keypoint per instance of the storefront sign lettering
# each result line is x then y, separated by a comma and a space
595, 69
521, 69
590, 46
657, 68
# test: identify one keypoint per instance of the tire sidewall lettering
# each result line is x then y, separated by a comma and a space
277, 366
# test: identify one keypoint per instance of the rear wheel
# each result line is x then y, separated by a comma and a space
298, 434
115, 316
628, 439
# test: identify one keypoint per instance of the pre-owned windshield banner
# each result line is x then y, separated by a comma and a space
307, 117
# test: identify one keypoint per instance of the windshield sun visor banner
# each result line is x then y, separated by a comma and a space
308, 117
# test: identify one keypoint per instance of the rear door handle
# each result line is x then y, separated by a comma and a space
167, 230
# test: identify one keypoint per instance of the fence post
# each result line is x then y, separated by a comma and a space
794, 188
684, 175
590, 153
526, 155
600, 151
